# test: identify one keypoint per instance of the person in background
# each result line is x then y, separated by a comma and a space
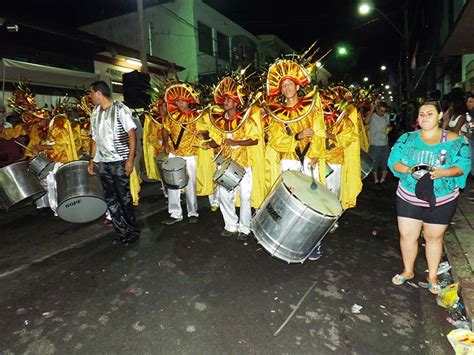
427, 201
469, 132
379, 125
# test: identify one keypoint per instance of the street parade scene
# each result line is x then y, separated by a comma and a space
175, 179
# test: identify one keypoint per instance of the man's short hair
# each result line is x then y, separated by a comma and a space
382, 104
102, 87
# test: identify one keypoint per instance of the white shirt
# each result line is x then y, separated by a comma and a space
111, 134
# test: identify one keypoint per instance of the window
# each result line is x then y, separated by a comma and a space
222, 46
205, 39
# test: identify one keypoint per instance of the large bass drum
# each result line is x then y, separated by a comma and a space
295, 217
175, 175
80, 195
366, 164
18, 187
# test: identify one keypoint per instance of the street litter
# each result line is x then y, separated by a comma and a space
412, 284
462, 341
448, 297
442, 268
356, 308
423, 284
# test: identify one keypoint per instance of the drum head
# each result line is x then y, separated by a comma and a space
160, 158
81, 209
218, 173
174, 164
321, 199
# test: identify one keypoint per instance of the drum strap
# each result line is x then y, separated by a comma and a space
180, 137
301, 154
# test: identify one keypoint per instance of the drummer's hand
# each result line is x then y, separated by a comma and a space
313, 162
128, 166
206, 145
231, 142
437, 173
306, 133
90, 168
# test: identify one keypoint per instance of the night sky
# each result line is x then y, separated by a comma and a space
371, 40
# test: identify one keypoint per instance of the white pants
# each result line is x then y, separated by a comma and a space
333, 181
50, 199
214, 198
174, 201
227, 205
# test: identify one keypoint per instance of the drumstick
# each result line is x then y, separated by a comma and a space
24, 146
217, 155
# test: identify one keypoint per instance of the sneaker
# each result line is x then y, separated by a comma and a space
171, 221
193, 219
107, 222
243, 236
226, 233
316, 254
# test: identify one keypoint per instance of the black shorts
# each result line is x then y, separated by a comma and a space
439, 215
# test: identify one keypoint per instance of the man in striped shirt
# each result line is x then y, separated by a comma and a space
113, 147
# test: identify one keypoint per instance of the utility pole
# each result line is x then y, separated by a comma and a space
142, 39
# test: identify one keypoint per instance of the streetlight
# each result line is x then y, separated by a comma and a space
318, 64
342, 50
383, 68
364, 9
387, 87
366, 79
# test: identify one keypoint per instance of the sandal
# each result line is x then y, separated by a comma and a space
435, 289
399, 279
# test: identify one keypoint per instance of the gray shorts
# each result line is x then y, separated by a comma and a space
380, 155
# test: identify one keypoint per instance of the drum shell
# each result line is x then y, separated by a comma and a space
366, 164
229, 175
19, 187
160, 159
40, 166
287, 228
174, 178
80, 195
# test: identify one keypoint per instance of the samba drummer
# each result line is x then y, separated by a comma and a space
237, 130
296, 130
180, 139
342, 153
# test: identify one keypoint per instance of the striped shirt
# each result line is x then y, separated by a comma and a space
410, 197
109, 129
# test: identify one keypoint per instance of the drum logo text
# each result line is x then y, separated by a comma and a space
70, 204
274, 214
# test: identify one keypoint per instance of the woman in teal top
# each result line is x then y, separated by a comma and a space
427, 201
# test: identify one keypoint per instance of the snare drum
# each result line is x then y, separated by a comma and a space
80, 195
18, 187
366, 164
229, 175
294, 217
40, 166
174, 173
419, 170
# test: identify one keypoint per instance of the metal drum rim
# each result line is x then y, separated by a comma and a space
311, 208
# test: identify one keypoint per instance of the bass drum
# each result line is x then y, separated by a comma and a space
294, 217
366, 164
80, 195
18, 187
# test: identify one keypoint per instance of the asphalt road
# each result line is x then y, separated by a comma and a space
186, 289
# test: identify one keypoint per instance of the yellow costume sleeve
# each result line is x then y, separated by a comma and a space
64, 150
135, 187
35, 139
279, 139
363, 136
205, 166
351, 180
12, 133
256, 153
149, 148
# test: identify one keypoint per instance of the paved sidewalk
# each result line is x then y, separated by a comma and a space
28, 238
459, 247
